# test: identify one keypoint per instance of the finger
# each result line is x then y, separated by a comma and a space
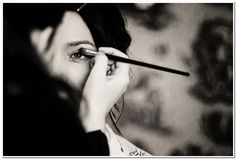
120, 67
111, 52
99, 68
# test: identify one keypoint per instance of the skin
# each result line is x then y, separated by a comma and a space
61, 56
63, 61
100, 91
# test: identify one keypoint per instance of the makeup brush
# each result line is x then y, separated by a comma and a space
91, 53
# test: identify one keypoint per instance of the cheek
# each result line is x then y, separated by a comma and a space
75, 74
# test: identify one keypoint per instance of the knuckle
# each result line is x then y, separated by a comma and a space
121, 54
125, 55
114, 51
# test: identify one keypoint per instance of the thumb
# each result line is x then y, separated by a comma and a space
100, 66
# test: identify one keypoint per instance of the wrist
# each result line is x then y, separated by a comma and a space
91, 119
93, 124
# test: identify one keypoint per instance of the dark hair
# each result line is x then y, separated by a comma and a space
107, 28
105, 21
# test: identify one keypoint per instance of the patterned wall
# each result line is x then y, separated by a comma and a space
167, 114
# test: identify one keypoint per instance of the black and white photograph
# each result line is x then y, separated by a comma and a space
118, 79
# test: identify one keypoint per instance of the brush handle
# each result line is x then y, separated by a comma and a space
139, 63
91, 53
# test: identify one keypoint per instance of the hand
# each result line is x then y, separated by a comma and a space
101, 92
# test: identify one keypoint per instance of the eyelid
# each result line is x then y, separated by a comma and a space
78, 47
82, 57
90, 49
87, 46
88, 52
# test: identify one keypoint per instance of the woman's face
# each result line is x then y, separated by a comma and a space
62, 58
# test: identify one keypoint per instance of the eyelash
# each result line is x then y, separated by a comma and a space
77, 56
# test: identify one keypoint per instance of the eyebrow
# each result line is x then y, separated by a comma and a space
75, 43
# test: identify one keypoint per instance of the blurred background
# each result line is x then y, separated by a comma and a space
168, 114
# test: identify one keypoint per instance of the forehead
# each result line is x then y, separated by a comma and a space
73, 28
